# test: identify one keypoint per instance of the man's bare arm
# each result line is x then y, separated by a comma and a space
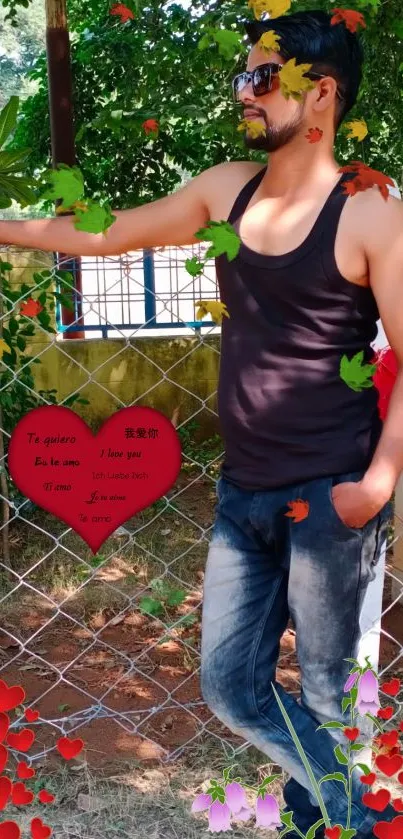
384, 249
172, 220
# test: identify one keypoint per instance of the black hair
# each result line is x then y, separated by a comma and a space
310, 38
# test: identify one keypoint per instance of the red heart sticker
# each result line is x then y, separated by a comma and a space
21, 741
46, 797
39, 830
4, 726
9, 830
397, 803
69, 748
10, 697
400, 777
368, 779
94, 483
5, 791
3, 757
333, 832
378, 800
351, 733
389, 830
389, 739
21, 795
385, 713
389, 765
391, 688
30, 715
24, 771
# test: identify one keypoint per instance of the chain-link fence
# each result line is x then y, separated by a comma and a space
107, 647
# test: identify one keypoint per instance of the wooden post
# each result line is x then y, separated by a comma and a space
62, 129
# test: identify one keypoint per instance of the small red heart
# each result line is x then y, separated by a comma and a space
400, 777
389, 765
10, 697
4, 726
378, 800
351, 733
391, 688
133, 460
69, 748
333, 832
368, 779
397, 803
5, 790
389, 739
21, 795
385, 713
30, 715
3, 757
24, 771
46, 797
9, 830
39, 830
21, 741
389, 830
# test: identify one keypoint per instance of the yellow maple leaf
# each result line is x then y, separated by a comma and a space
3, 347
254, 127
214, 307
269, 42
275, 8
358, 128
292, 80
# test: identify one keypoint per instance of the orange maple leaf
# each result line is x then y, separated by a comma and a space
350, 17
123, 11
314, 135
365, 179
150, 125
30, 307
299, 509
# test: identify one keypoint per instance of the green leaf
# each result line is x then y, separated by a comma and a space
356, 747
355, 374
340, 756
346, 702
8, 118
175, 598
312, 830
336, 776
366, 770
331, 724
150, 606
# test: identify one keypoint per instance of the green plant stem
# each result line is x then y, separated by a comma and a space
304, 759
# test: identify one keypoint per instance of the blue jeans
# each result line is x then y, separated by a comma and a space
262, 568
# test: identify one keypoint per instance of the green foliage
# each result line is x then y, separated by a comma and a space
17, 384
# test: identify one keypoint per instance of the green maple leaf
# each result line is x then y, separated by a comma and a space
67, 184
193, 266
356, 374
224, 239
95, 219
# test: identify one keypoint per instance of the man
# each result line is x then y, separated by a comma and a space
315, 270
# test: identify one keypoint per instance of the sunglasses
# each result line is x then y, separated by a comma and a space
262, 80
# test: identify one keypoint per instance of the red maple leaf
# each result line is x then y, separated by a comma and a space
30, 307
314, 135
299, 509
350, 17
123, 11
365, 179
150, 125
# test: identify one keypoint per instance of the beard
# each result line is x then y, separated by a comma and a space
276, 136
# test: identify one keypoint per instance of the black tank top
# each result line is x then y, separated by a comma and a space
286, 415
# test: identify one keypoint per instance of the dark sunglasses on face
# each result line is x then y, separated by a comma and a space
262, 80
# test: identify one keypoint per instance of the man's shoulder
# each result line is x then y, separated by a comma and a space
221, 183
377, 219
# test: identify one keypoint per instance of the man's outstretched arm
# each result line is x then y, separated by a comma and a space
172, 220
